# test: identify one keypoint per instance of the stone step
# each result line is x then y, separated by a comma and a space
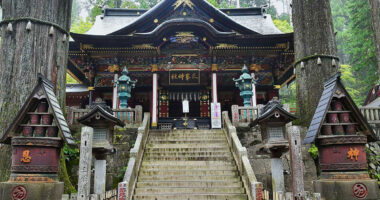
190, 158
191, 197
189, 141
186, 138
187, 172
146, 178
187, 163
189, 153
176, 136
178, 190
188, 167
190, 131
186, 149
188, 145
189, 184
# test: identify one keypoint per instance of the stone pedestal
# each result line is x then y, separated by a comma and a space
31, 191
100, 176
277, 169
347, 189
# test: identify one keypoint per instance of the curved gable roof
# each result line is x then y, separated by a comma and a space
126, 21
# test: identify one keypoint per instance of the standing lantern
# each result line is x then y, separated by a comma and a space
244, 83
272, 123
102, 120
125, 85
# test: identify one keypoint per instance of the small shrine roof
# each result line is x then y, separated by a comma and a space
331, 86
270, 109
43, 89
102, 111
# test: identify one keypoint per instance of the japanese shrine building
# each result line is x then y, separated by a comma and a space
179, 49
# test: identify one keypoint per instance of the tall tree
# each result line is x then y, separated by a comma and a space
34, 40
359, 45
313, 35
375, 16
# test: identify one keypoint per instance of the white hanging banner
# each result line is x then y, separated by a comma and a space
216, 115
185, 106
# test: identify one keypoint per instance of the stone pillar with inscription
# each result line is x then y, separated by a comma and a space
36, 135
298, 191
84, 180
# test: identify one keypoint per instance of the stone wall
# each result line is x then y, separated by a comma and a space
374, 159
261, 163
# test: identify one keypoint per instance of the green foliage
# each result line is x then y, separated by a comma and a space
70, 79
71, 156
81, 26
214, 3
283, 25
372, 158
313, 150
340, 20
359, 44
351, 83
64, 177
120, 177
288, 94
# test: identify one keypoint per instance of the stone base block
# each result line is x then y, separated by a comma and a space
331, 189
31, 191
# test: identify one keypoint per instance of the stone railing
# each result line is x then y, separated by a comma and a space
126, 187
128, 115
252, 186
72, 114
372, 114
242, 116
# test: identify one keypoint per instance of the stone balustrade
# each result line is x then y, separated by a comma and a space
126, 188
372, 114
252, 186
127, 115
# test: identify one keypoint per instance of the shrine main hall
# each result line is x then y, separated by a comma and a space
177, 50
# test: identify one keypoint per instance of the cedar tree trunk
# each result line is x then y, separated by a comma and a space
375, 16
27, 51
313, 35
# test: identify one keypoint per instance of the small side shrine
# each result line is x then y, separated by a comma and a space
272, 123
37, 135
102, 120
341, 132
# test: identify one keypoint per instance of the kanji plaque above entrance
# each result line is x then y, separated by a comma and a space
184, 77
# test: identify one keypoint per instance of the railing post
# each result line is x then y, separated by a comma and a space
235, 115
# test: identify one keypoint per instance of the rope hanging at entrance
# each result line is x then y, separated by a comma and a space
317, 56
38, 21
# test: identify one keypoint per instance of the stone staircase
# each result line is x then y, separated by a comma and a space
188, 165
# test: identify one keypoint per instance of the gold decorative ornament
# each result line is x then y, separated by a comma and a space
155, 21
185, 3
113, 68
184, 13
212, 20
